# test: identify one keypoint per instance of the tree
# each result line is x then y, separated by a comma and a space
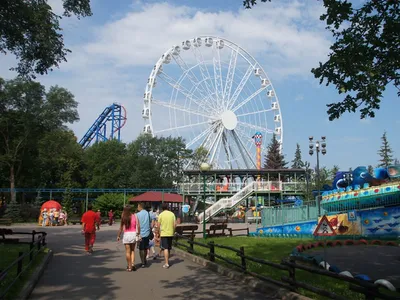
274, 159
396, 161
26, 113
385, 152
370, 170
13, 210
365, 57
60, 159
107, 202
31, 31
199, 156
297, 163
105, 165
333, 172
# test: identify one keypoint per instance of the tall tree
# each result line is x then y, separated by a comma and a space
370, 170
31, 31
199, 156
60, 159
297, 163
26, 113
333, 172
365, 56
385, 152
105, 165
274, 159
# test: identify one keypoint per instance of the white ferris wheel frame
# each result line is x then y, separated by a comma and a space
174, 54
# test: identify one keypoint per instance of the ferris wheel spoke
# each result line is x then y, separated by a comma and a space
178, 87
230, 75
247, 157
240, 87
255, 127
225, 143
205, 74
189, 73
181, 108
244, 102
201, 135
218, 73
183, 126
255, 112
215, 143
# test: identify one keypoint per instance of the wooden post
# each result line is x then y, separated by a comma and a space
33, 236
212, 251
30, 251
243, 258
19, 266
292, 271
191, 245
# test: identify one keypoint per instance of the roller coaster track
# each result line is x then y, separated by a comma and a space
114, 115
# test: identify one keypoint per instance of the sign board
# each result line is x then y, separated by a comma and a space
352, 216
185, 208
324, 228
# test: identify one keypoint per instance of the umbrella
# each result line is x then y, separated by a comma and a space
50, 205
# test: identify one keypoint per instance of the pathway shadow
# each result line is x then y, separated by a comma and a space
72, 273
203, 284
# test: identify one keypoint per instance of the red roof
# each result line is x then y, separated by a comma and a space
157, 197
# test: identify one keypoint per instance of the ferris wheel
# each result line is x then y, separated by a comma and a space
215, 95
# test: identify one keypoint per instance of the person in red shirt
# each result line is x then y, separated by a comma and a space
90, 220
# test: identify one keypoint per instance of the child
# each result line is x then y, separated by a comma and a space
44, 217
157, 240
151, 246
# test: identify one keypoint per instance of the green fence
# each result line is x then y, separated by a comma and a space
284, 214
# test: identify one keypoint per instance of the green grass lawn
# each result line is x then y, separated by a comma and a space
274, 250
9, 253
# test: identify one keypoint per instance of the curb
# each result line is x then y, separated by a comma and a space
36, 275
256, 284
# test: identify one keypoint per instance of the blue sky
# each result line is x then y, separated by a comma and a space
115, 50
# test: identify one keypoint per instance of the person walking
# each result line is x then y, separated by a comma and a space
90, 220
145, 231
167, 222
131, 228
110, 217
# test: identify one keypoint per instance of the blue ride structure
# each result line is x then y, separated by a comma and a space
107, 126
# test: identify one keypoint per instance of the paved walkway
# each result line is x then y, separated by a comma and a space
74, 275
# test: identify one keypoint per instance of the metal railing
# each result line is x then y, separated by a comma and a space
286, 214
35, 248
217, 188
228, 202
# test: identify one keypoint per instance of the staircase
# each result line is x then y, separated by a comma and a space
227, 203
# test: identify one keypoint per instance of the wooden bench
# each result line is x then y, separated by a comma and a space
217, 230
231, 230
5, 221
186, 230
4, 240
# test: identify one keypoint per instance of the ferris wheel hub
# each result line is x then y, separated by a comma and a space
229, 120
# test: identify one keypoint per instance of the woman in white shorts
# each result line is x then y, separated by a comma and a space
131, 228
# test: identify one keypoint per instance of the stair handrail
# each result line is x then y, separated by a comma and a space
227, 202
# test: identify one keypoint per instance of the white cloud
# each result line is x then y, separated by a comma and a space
111, 62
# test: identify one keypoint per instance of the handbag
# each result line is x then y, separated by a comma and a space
151, 235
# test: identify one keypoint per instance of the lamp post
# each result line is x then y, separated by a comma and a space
319, 146
204, 167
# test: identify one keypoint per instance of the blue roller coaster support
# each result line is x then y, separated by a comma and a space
114, 115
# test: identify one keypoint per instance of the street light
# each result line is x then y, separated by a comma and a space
319, 146
204, 167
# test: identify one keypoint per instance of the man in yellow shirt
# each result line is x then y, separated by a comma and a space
167, 229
